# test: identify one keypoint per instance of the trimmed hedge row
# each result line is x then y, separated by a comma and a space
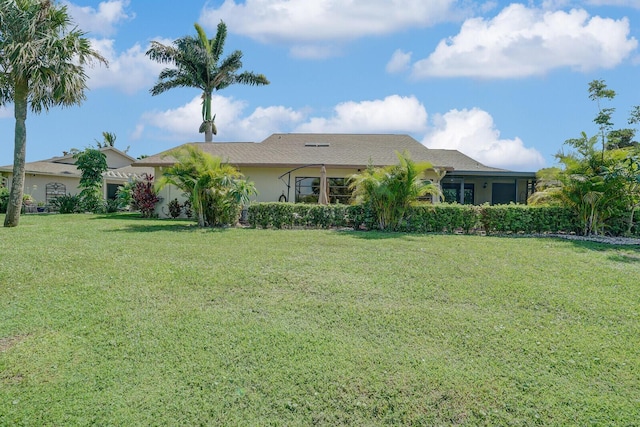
423, 218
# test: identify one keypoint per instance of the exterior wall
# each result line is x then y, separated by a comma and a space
116, 160
35, 185
270, 187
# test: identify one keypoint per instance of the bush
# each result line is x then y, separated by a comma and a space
419, 218
528, 219
4, 199
112, 205
175, 208
144, 197
67, 204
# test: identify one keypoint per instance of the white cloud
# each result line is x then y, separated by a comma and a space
128, 71
6, 112
182, 123
101, 21
310, 24
399, 62
392, 114
523, 41
473, 133
624, 3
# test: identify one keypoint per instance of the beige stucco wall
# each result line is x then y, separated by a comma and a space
35, 185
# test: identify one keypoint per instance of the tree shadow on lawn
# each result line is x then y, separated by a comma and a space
147, 225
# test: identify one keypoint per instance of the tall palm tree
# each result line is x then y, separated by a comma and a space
197, 64
41, 65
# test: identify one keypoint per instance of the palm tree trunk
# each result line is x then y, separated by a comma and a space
208, 129
19, 154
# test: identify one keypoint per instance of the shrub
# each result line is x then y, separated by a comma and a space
175, 208
112, 205
4, 199
144, 197
67, 204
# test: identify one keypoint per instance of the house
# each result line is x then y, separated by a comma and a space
286, 167
47, 179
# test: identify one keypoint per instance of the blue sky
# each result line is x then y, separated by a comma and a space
505, 83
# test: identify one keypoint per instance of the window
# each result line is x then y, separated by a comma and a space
451, 192
112, 191
503, 194
308, 188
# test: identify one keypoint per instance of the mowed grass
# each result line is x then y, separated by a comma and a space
114, 320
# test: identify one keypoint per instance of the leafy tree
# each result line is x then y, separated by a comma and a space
92, 163
198, 64
391, 190
42, 59
216, 190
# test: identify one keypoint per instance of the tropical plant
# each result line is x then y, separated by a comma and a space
217, 190
175, 208
627, 172
42, 59
392, 189
590, 183
144, 196
92, 163
67, 204
123, 195
197, 64
108, 140
601, 187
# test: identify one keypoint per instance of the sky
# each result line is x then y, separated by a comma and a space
505, 83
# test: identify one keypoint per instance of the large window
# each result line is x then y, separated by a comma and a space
451, 191
308, 189
503, 194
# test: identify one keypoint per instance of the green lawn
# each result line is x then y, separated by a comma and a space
121, 321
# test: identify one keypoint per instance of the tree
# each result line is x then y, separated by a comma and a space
108, 140
92, 163
42, 59
598, 91
391, 190
197, 64
217, 191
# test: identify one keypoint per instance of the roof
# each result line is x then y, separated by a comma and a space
65, 166
335, 150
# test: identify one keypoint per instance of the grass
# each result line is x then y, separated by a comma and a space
114, 320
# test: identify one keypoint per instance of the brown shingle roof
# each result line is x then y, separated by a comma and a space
336, 150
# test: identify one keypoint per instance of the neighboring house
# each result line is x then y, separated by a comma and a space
47, 179
287, 167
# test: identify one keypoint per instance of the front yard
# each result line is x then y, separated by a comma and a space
121, 321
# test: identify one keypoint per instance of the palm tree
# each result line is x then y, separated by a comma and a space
197, 64
41, 65
216, 190
108, 140
391, 190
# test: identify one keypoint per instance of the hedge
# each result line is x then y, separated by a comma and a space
422, 218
